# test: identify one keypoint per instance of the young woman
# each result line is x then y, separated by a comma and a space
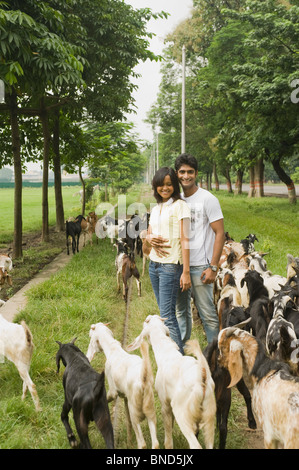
167, 241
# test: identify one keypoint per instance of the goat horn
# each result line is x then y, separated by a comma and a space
231, 329
73, 340
58, 342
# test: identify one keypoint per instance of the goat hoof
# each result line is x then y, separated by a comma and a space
73, 442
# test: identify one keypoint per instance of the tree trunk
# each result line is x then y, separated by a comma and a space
239, 182
251, 192
216, 177
228, 180
83, 188
46, 151
57, 176
259, 178
285, 179
207, 181
18, 224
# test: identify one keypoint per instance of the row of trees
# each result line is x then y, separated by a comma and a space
67, 69
242, 90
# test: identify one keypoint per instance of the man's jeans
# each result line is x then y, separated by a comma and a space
203, 297
165, 279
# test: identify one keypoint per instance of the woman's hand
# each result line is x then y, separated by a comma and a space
158, 243
185, 281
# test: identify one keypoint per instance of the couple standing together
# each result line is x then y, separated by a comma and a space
184, 241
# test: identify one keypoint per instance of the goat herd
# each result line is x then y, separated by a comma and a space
257, 350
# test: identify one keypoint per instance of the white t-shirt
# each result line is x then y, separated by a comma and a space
205, 209
165, 221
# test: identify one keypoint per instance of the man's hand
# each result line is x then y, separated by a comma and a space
208, 276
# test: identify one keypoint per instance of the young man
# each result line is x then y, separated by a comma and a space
205, 243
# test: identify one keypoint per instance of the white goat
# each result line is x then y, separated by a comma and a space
129, 376
275, 392
17, 346
183, 383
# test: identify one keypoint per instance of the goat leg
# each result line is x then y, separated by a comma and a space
65, 419
104, 425
241, 386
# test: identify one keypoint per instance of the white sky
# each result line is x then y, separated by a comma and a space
148, 83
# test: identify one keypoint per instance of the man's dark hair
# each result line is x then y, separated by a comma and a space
159, 179
186, 159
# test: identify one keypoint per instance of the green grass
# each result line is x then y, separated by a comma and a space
274, 221
85, 292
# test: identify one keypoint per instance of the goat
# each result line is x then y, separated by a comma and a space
221, 378
92, 219
5, 267
275, 392
129, 377
281, 339
84, 391
258, 304
272, 282
16, 344
126, 267
248, 243
292, 266
184, 384
229, 294
73, 230
145, 251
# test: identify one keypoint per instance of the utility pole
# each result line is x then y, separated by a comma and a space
183, 140
157, 149
2, 91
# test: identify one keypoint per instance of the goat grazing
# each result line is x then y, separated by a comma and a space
73, 230
130, 377
16, 344
275, 392
183, 383
84, 391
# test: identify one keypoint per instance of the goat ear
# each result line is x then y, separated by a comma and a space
135, 344
235, 365
242, 282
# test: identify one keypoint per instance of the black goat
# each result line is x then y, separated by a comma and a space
222, 379
248, 243
85, 393
73, 230
258, 309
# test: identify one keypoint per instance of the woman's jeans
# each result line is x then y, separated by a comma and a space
165, 279
203, 298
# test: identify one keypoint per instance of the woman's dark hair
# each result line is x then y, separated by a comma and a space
186, 159
158, 180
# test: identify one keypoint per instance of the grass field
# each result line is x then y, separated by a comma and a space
32, 209
84, 292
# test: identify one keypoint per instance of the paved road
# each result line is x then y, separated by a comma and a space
275, 189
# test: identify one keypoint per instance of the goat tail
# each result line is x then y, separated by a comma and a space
27, 353
147, 378
28, 334
192, 348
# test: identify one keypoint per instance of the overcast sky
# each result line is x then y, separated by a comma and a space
148, 83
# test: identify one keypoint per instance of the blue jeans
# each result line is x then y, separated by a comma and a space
203, 297
165, 279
